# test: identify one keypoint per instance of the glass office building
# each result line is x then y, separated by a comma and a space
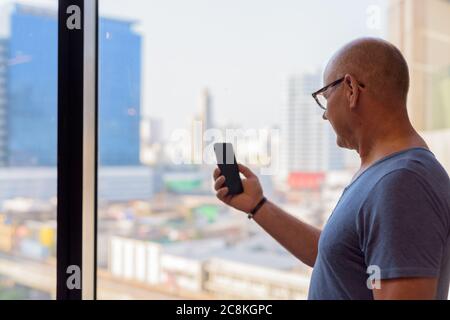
32, 101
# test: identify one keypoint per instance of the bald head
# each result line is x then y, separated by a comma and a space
376, 63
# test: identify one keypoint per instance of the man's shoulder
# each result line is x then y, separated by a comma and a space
415, 174
418, 165
411, 174
411, 180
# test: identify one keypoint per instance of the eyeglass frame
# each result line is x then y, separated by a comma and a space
331, 85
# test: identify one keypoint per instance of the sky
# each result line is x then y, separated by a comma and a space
242, 50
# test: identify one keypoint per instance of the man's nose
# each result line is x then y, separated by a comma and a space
324, 116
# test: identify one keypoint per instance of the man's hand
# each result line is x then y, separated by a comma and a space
245, 201
299, 238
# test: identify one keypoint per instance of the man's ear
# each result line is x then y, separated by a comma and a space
351, 90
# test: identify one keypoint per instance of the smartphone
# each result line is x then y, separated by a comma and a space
226, 161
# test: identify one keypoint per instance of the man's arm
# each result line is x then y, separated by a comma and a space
299, 238
403, 231
406, 289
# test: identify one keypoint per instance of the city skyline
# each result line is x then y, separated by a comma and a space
161, 230
245, 63
107, 36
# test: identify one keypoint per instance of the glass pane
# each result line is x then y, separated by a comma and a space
28, 136
176, 76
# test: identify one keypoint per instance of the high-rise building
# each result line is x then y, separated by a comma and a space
302, 129
32, 87
206, 109
151, 140
3, 102
200, 123
337, 158
32, 100
119, 93
152, 130
308, 142
421, 30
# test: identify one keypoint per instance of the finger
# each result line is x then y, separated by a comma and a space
219, 183
216, 173
227, 199
221, 193
245, 171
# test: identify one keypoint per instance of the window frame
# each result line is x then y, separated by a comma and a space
77, 151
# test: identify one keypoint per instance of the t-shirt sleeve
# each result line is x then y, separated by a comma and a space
402, 227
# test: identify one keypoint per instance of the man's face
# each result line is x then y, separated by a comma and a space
337, 112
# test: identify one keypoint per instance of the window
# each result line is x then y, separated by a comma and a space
172, 72
132, 184
28, 150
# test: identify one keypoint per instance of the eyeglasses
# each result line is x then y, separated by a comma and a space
319, 95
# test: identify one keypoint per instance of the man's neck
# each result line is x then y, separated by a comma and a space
387, 141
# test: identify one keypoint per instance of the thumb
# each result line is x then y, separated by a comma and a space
245, 171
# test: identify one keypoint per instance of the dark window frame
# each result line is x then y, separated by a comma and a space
77, 150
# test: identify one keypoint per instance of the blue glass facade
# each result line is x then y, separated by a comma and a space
32, 90
119, 93
3, 102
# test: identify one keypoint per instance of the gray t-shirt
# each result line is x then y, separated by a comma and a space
393, 218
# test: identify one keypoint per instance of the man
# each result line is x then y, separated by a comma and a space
393, 219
